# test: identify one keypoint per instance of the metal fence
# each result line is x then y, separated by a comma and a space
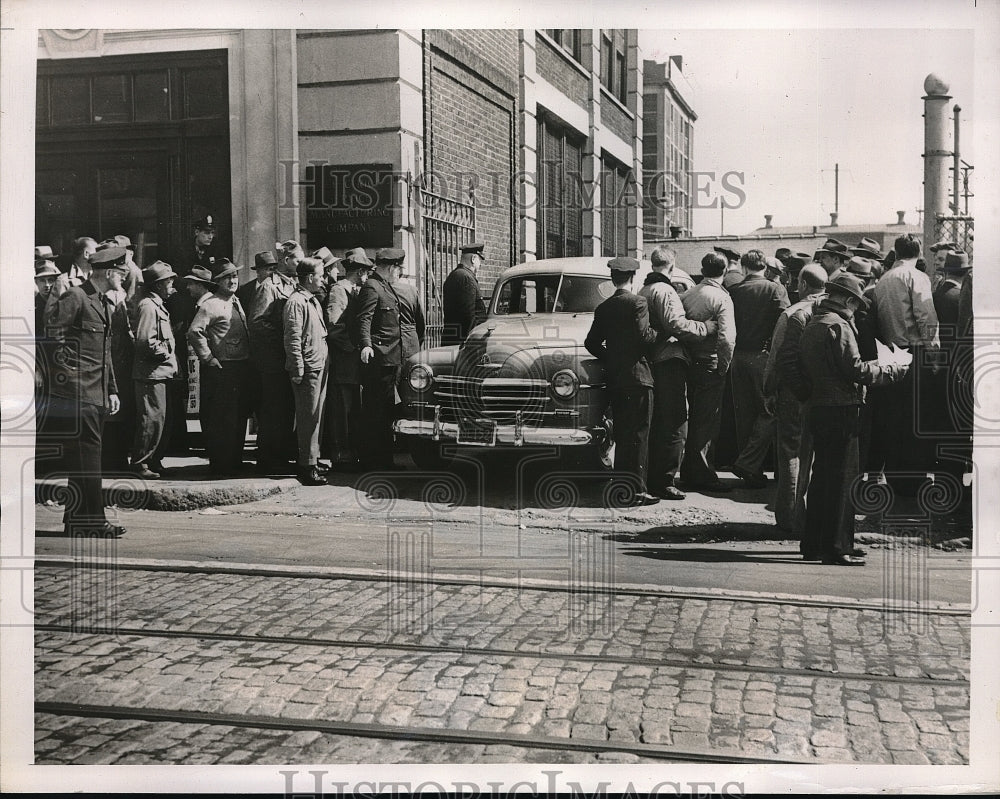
446, 224
958, 229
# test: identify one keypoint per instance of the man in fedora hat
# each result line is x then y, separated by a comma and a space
903, 413
269, 390
940, 250
832, 256
343, 400
794, 263
619, 337
84, 391
954, 413
462, 298
155, 364
836, 375
219, 337
46, 274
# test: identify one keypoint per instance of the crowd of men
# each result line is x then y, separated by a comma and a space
312, 348
807, 348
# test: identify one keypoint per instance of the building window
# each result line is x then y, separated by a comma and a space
568, 39
614, 74
617, 193
559, 224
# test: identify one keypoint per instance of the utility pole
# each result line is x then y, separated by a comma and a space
836, 188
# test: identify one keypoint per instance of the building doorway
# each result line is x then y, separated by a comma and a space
134, 145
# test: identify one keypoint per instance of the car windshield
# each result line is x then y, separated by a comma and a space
552, 293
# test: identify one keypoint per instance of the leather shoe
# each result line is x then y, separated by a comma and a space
670, 492
143, 471
751, 479
311, 477
106, 530
857, 552
642, 498
843, 560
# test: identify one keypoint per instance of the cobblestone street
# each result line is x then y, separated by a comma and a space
634, 676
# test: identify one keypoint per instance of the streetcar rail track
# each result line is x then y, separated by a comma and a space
313, 573
427, 734
298, 641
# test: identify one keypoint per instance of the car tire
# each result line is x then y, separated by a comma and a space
428, 454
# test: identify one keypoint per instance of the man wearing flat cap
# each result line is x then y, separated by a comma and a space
733, 274
155, 364
462, 299
343, 400
379, 334
619, 337
837, 376
84, 391
269, 393
218, 336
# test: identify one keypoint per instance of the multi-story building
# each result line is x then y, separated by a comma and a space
668, 134
528, 139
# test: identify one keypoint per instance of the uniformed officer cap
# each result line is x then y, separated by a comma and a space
623, 265
108, 257
389, 256
264, 259
473, 246
206, 222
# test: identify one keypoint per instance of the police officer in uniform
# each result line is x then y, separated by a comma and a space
381, 340
202, 251
84, 391
619, 337
462, 299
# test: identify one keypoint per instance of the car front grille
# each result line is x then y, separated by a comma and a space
493, 398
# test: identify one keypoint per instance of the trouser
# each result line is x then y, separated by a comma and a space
794, 460
309, 394
900, 416
343, 403
378, 403
224, 414
668, 427
830, 511
705, 386
631, 408
175, 432
119, 430
78, 427
275, 417
151, 417
754, 425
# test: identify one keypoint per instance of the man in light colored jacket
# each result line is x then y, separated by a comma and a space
155, 363
668, 361
306, 362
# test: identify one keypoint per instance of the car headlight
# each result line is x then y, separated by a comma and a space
420, 377
565, 384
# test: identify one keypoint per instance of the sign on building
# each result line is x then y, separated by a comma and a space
349, 206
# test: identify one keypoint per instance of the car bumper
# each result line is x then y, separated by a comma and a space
515, 435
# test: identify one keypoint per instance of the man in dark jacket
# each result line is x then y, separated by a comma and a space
836, 377
84, 390
378, 332
462, 299
619, 337
757, 302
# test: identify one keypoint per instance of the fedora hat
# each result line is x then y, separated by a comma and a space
199, 274
327, 257
955, 262
849, 284
834, 247
867, 248
798, 259
862, 267
224, 268
158, 270
356, 257
46, 268
44, 252
264, 260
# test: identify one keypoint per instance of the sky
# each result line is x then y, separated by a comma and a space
784, 106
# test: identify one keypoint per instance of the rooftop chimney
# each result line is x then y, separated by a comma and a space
901, 215
767, 220
833, 218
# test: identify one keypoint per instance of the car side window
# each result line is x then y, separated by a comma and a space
582, 294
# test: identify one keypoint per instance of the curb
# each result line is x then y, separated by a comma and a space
134, 493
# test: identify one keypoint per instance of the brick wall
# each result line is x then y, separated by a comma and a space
470, 105
552, 66
615, 119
